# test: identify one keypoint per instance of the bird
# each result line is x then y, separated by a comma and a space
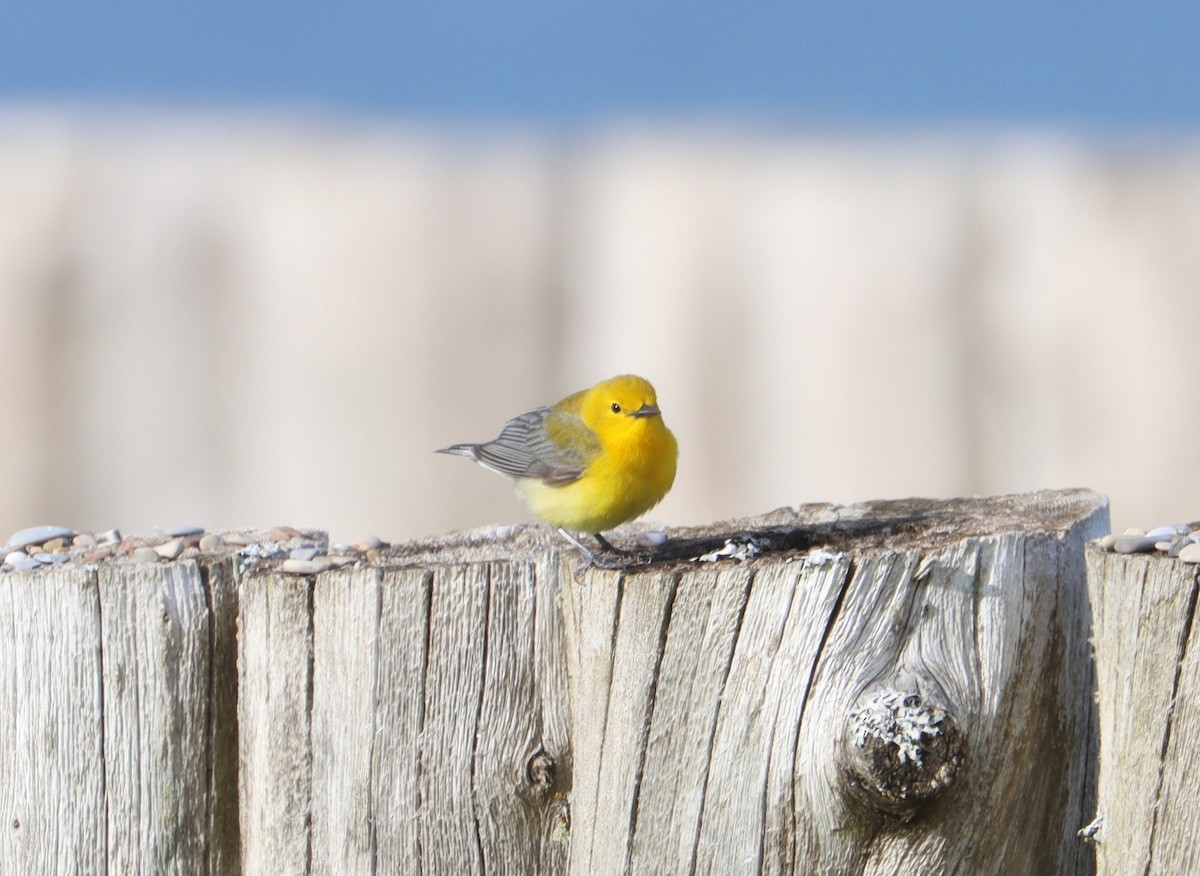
599, 458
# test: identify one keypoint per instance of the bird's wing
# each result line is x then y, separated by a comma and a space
552, 446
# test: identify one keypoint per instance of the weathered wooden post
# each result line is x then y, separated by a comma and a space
52, 783
905, 684
409, 717
913, 696
1148, 683
117, 734
899, 687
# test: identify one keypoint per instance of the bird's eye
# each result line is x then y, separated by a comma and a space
615, 408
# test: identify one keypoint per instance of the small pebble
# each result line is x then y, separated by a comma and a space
305, 553
1190, 553
112, 536
38, 535
43, 557
1106, 543
306, 567
84, 540
284, 533
21, 561
170, 550
371, 543
1167, 532
340, 548
54, 544
212, 543
372, 556
97, 555
180, 531
145, 555
1163, 546
1133, 530
652, 539
1133, 544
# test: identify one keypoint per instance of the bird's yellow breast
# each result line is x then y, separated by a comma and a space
631, 476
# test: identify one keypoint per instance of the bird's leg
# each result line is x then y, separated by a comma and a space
603, 563
610, 547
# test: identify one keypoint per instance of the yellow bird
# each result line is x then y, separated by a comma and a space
591, 462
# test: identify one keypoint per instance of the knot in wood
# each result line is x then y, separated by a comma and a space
540, 773
900, 751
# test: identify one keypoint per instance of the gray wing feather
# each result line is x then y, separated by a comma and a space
523, 448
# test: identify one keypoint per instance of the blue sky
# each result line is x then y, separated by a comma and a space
1127, 65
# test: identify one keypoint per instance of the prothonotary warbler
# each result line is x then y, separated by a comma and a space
591, 462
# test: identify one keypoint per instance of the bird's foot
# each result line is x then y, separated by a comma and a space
595, 559
610, 547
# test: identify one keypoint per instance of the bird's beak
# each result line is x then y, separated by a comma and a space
646, 411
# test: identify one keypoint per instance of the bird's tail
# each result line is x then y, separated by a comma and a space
470, 451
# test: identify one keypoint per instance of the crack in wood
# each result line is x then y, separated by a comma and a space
210, 716
604, 735
1185, 638
483, 667
310, 675
850, 571
739, 620
376, 659
423, 706
102, 730
643, 743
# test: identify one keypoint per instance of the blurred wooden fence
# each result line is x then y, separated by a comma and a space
247, 320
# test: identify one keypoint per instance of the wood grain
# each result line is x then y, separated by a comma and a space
275, 676
51, 724
1146, 673
118, 731
479, 704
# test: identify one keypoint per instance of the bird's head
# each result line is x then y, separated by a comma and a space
622, 408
